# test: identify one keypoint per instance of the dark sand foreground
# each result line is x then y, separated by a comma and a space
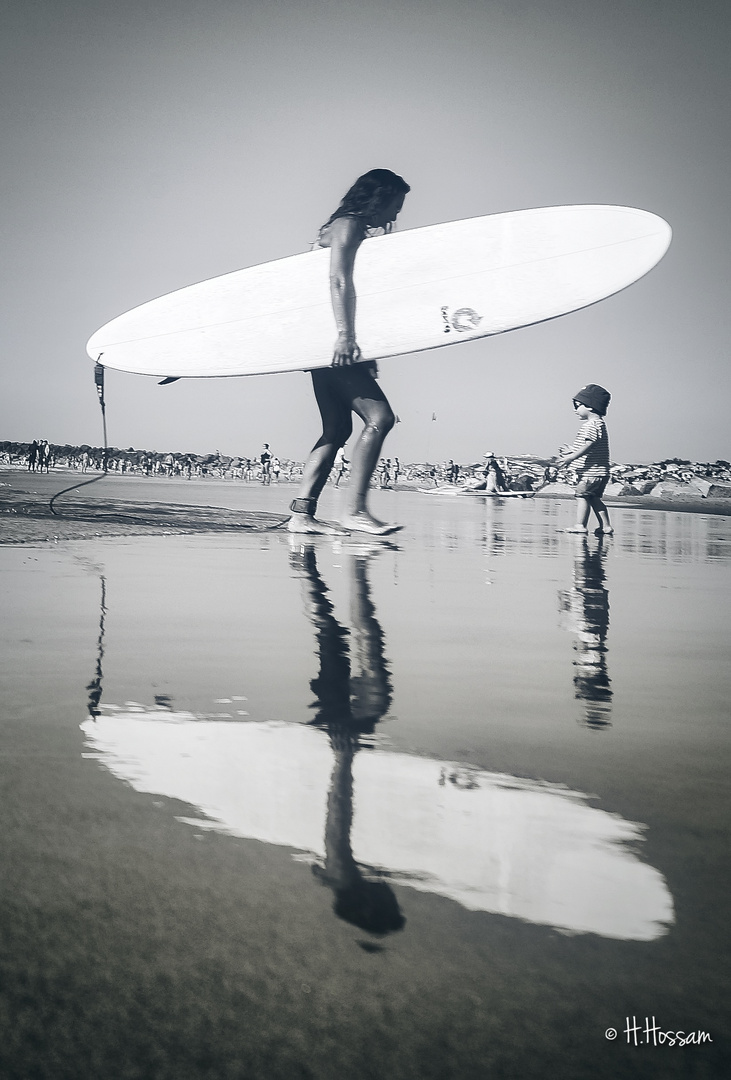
92, 512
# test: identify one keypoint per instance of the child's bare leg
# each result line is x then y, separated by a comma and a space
583, 509
602, 516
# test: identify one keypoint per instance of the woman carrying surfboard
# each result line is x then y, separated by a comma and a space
349, 385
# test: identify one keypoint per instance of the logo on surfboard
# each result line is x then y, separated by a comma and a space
462, 320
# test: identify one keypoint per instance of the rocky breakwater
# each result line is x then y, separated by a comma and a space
673, 479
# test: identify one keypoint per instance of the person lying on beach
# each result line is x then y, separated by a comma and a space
349, 384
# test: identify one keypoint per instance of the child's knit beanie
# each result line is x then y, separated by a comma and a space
595, 397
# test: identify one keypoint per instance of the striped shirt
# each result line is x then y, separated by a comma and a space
595, 462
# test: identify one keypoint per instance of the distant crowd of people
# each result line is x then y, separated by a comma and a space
265, 467
40, 455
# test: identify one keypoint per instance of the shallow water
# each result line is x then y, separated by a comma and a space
481, 730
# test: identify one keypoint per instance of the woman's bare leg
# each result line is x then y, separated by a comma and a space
369, 403
340, 391
336, 429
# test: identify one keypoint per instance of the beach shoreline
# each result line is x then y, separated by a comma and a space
90, 512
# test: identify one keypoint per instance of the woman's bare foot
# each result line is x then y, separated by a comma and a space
604, 532
364, 522
305, 523
577, 529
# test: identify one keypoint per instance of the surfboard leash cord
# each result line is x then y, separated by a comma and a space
99, 383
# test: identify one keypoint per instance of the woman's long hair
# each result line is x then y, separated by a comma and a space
369, 194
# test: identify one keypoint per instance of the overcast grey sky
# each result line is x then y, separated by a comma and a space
154, 143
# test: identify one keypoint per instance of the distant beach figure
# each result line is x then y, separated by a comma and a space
494, 475
349, 385
591, 449
340, 467
493, 478
265, 459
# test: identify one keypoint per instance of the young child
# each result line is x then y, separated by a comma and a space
590, 449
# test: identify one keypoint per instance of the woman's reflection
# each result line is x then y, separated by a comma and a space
353, 692
586, 613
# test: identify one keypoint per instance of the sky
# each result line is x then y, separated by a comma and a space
154, 143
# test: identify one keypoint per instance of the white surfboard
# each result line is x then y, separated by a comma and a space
417, 290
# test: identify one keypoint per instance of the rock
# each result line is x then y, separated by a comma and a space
701, 487
666, 489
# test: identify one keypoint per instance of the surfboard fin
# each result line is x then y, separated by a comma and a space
170, 378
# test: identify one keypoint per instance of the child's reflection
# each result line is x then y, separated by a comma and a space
353, 692
586, 609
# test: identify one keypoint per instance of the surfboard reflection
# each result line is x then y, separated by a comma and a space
585, 612
369, 819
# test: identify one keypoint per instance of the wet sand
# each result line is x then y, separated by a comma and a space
486, 663
141, 506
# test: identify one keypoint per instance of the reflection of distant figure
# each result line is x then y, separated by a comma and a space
586, 609
353, 692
